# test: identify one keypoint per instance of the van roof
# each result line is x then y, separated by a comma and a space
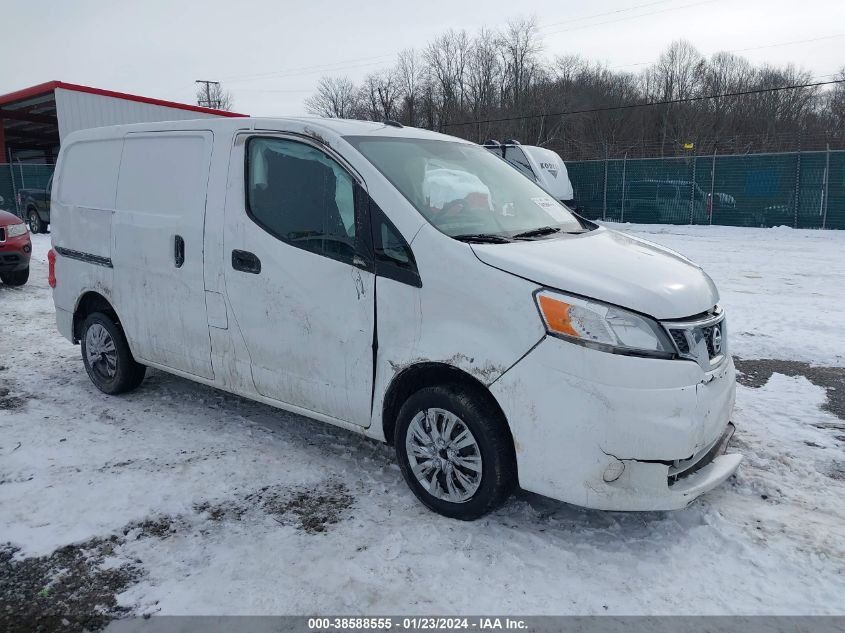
310, 125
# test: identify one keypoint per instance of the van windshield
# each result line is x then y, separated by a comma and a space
465, 191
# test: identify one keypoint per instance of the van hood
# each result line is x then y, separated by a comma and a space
611, 267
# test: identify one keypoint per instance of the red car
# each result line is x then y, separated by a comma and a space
15, 249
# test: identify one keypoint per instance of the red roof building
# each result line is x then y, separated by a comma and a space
33, 121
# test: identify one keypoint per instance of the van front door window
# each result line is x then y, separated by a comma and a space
301, 196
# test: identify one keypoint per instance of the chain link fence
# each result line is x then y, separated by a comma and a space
804, 190
20, 176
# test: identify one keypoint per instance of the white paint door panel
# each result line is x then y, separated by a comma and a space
307, 318
161, 197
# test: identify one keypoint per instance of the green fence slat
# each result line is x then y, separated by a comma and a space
760, 190
17, 176
805, 191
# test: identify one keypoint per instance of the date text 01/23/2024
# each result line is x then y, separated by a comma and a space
421, 623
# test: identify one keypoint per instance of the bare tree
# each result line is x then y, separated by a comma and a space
836, 104
484, 70
381, 93
497, 84
520, 48
336, 97
210, 94
676, 75
447, 58
411, 77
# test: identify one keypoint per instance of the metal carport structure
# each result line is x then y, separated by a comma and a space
33, 121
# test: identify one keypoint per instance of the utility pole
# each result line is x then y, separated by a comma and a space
208, 84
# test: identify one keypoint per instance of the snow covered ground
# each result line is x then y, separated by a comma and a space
223, 506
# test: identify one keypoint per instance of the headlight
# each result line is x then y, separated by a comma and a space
14, 230
602, 326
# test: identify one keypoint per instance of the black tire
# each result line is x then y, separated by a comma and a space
493, 440
34, 222
125, 373
15, 278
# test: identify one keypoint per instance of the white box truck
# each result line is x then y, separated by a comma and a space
543, 166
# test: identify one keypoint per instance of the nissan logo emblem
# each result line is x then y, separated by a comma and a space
716, 339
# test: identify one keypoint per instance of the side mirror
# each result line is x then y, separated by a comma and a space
1, 201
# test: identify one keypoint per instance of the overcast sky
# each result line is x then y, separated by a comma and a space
270, 54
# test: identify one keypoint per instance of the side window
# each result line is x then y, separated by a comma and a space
517, 158
301, 196
394, 258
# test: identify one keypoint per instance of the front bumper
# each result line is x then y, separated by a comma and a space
15, 253
617, 432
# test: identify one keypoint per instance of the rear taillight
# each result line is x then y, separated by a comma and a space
51, 268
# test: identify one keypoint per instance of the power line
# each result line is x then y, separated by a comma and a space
312, 72
599, 15
273, 90
753, 48
316, 68
652, 103
345, 64
353, 63
630, 17
812, 39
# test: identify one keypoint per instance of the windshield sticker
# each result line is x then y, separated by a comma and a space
551, 207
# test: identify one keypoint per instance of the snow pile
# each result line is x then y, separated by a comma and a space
232, 507
782, 288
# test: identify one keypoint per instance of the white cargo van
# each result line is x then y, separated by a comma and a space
406, 285
542, 165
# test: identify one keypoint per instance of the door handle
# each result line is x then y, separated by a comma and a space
246, 262
179, 251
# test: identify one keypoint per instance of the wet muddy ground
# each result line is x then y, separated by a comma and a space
71, 590
756, 373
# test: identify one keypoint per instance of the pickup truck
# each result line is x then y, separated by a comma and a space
34, 207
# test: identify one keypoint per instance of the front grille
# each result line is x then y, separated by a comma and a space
700, 338
680, 341
2, 234
708, 338
12, 258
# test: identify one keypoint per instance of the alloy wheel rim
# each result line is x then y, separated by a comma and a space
101, 351
444, 455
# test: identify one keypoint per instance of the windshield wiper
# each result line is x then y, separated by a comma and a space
538, 232
484, 238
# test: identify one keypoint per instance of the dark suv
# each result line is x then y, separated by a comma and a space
34, 207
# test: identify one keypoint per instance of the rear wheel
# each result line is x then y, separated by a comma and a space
35, 223
105, 352
455, 451
16, 278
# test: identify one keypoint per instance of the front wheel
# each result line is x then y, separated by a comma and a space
35, 223
105, 352
455, 451
15, 278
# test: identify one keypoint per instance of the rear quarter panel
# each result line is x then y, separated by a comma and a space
82, 211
